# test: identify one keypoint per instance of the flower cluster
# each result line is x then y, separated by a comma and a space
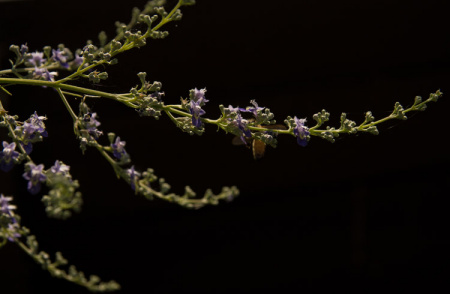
21, 53
253, 124
41, 62
133, 177
37, 60
35, 175
5, 206
262, 118
62, 197
118, 149
197, 100
255, 110
301, 131
148, 98
60, 56
236, 124
261, 115
9, 226
31, 131
151, 104
59, 168
8, 156
88, 126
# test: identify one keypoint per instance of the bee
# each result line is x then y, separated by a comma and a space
258, 146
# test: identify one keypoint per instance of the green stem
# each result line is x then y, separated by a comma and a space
163, 21
125, 47
56, 85
25, 69
72, 94
6, 91
362, 127
69, 109
167, 18
108, 158
79, 72
167, 111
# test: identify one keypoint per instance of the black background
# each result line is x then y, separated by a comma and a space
365, 214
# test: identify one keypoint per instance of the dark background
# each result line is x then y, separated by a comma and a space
365, 214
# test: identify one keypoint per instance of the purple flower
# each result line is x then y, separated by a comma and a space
195, 108
254, 109
78, 60
29, 130
5, 207
23, 49
35, 175
233, 109
239, 123
12, 233
28, 147
301, 131
39, 72
37, 58
91, 123
196, 111
45, 74
38, 122
199, 96
134, 177
32, 126
118, 148
57, 55
242, 126
8, 156
60, 168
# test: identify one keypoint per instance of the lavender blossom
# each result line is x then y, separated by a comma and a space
37, 58
91, 123
39, 73
12, 231
27, 147
233, 109
239, 125
58, 56
60, 168
119, 148
199, 96
254, 109
31, 131
134, 177
301, 131
196, 111
195, 108
78, 60
8, 156
242, 126
5, 207
35, 175
38, 122
23, 49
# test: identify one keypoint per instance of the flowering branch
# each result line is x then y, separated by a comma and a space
11, 230
253, 123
